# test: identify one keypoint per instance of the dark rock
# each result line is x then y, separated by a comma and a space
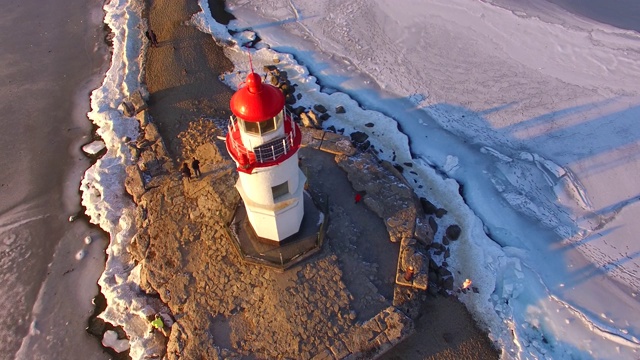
324, 116
369, 125
331, 129
433, 277
359, 137
433, 265
475, 290
433, 224
96, 327
320, 108
408, 164
399, 168
340, 109
364, 146
298, 110
440, 213
443, 272
427, 206
287, 88
453, 232
445, 240
269, 68
448, 283
290, 99
120, 331
298, 96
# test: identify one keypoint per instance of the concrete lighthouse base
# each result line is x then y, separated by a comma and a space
279, 254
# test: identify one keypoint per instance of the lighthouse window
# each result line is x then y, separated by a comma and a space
251, 127
267, 125
280, 190
262, 127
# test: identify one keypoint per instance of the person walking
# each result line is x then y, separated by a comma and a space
154, 39
186, 172
195, 165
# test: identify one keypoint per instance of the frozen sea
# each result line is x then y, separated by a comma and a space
53, 55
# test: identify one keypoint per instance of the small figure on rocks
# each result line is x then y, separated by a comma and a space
152, 37
358, 198
186, 172
195, 165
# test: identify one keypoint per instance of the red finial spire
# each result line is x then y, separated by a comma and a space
250, 60
254, 82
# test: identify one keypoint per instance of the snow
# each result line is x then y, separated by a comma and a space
533, 113
110, 339
93, 147
102, 187
521, 123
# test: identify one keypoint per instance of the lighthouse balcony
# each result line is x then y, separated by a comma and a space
263, 154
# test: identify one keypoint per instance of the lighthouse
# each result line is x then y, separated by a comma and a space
263, 141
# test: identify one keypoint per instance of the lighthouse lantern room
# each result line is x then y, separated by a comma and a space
263, 141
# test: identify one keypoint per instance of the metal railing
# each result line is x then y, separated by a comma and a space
272, 150
267, 152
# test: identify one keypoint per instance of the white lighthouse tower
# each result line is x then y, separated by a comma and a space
263, 141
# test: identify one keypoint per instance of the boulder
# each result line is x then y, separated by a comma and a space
427, 206
320, 108
433, 224
453, 232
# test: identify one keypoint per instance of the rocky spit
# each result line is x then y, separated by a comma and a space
344, 302
349, 300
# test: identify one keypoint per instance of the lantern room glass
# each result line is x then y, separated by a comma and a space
263, 127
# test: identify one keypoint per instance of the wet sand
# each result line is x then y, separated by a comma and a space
53, 56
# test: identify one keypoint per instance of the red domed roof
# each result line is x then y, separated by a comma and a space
257, 101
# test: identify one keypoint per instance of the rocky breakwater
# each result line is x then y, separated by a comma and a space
344, 302
220, 307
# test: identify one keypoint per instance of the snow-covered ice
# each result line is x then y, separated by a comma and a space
93, 147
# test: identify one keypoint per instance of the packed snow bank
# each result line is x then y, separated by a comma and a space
103, 193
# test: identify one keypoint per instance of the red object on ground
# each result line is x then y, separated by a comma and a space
358, 198
408, 274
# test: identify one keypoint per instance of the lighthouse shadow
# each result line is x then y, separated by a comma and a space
355, 235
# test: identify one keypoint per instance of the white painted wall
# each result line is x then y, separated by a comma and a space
275, 221
257, 185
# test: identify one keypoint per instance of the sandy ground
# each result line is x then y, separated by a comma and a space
182, 79
52, 56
